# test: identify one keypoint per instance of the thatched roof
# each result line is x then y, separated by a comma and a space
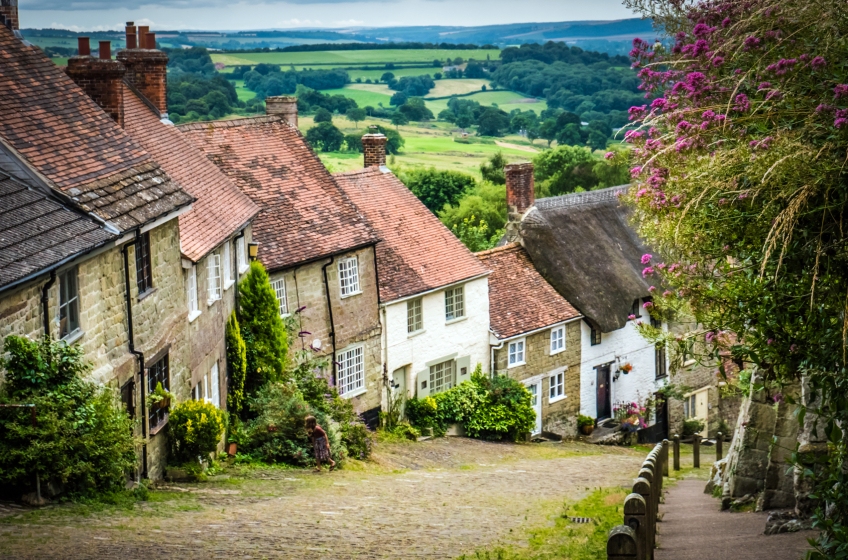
584, 245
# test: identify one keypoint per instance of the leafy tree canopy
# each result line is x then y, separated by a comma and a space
436, 188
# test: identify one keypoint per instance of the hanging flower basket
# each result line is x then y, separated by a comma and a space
626, 368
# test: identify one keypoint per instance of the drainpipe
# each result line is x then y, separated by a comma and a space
492, 357
136, 353
330, 309
45, 301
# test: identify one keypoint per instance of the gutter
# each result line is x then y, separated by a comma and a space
437, 289
330, 309
45, 308
139, 355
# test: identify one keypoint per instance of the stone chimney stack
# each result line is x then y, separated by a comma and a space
146, 67
283, 106
520, 195
9, 14
101, 78
374, 148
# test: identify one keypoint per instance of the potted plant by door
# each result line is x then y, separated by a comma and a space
586, 424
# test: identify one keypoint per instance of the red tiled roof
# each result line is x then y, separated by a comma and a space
416, 252
304, 214
74, 144
221, 208
520, 300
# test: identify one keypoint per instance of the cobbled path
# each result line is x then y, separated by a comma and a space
435, 499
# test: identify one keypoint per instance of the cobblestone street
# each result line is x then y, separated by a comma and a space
436, 499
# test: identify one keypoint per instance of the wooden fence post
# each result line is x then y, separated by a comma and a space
642, 486
719, 442
636, 517
696, 450
665, 457
621, 543
676, 452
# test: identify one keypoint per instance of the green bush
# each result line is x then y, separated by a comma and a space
194, 430
436, 188
423, 414
236, 365
262, 329
82, 439
583, 420
692, 426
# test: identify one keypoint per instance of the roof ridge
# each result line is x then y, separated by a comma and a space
363, 171
201, 125
502, 248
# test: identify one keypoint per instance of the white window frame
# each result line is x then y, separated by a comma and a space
279, 286
557, 342
71, 305
454, 304
556, 387
351, 371
241, 255
213, 278
192, 295
349, 277
214, 385
516, 353
448, 381
414, 316
227, 271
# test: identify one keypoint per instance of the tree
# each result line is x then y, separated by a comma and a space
493, 169
437, 76
464, 120
394, 141
262, 328
325, 137
485, 203
476, 235
416, 110
474, 70
236, 365
436, 188
322, 115
548, 130
492, 122
740, 186
387, 77
399, 118
565, 169
356, 115
398, 99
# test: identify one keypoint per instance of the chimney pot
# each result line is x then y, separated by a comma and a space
131, 41
142, 32
374, 149
520, 195
146, 67
150, 40
83, 46
284, 106
106, 50
101, 78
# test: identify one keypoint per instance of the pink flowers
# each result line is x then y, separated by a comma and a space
782, 66
631, 317
752, 43
647, 271
743, 104
840, 91
709, 337
646, 258
652, 289
647, 305
609, 155
636, 171
636, 113
818, 63
764, 85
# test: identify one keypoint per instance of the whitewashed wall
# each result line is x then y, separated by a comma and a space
619, 347
466, 337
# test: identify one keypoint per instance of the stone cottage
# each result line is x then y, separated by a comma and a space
535, 337
213, 235
433, 292
317, 247
92, 254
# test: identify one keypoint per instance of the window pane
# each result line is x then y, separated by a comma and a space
280, 291
227, 263
441, 377
351, 370
144, 277
68, 303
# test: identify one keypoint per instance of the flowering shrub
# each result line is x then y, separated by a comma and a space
194, 430
741, 186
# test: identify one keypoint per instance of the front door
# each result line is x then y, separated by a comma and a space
603, 383
536, 391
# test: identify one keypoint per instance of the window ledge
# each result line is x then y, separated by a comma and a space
155, 430
416, 333
194, 315
556, 399
560, 351
145, 294
457, 320
351, 294
354, 393
243, 268
229, 284
73, 337
210, 302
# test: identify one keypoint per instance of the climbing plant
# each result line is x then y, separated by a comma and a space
741, 186
236, 365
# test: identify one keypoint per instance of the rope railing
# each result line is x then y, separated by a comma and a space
636, 538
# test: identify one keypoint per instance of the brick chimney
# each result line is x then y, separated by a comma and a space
520, 196
146, 67
284, 106
374, 148
101, 78
9, 14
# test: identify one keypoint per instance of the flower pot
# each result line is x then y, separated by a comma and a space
231, 449
587, 429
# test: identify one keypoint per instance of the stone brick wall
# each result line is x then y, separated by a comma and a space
284, 106
146, 70
9, 10
519, 189
101, 79
559, 417
374, 148
356, 318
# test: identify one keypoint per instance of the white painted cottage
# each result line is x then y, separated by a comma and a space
434, 293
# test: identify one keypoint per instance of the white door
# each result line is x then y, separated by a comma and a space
536, 391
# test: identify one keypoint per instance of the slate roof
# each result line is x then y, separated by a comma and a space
304, 214
416, 252
71, 142
38, 232
220, 210
520, 300
584, 245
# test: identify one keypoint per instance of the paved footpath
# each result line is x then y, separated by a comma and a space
693, 528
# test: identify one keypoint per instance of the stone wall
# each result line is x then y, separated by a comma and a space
356, 318
558, 417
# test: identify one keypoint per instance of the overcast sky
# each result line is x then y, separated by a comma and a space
92, 15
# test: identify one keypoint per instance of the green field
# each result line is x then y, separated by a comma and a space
358, 58
362, 97
243, 93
